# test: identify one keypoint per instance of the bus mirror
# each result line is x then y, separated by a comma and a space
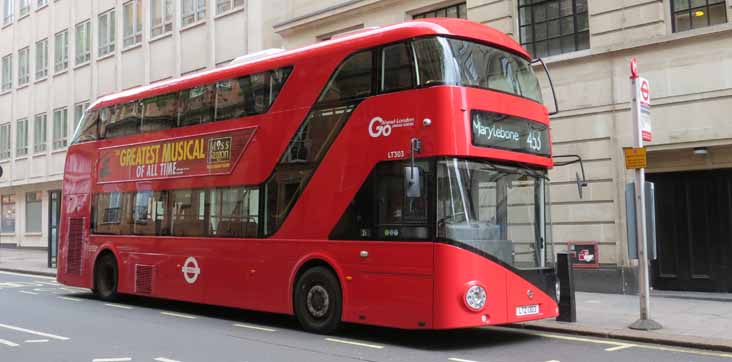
551, 84
581, 181
1, 171
413, 181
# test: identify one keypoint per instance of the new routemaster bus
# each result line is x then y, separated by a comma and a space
393, 177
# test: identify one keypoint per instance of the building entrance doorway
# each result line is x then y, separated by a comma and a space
694, 230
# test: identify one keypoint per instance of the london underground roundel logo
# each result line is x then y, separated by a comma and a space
377, 128
191, 270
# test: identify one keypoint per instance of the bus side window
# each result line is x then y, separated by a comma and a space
125, 120
160, 112
88, 127
396, 68
196, 105
352, 80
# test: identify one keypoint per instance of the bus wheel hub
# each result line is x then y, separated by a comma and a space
318, 301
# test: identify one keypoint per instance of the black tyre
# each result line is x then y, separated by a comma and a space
318, 301
105, 278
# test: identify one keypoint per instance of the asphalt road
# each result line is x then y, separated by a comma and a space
41, 320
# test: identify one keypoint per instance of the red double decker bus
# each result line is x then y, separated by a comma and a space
393, 177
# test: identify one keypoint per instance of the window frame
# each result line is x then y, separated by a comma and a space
36, 202
5, 141
24, 10
530, 46
40, 119
106, 36
7, 73
198, 13
11, 201
21, 148
231, 6
166, 18
134, 38
82, 51
61, 57
24, 66
60, 128
41, 67
459, 9
691, 10
8, 12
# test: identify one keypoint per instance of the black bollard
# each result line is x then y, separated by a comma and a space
567, 308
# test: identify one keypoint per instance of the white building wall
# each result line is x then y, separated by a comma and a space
218, 38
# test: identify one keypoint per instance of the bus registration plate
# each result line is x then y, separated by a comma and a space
527, 310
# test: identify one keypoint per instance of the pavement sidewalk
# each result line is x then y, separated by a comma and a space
33, 261
698, 320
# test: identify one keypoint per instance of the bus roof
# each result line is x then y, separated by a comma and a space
359, 40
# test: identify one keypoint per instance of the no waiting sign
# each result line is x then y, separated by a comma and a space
642, 99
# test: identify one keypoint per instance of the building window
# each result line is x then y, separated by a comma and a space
8, 11
61, 55
21, 138
4, 141
7, 208
83, 42
693, 14
459, 11
7, 72
551, 27
223, 6
161, 17
192, 11
132, 21
24, 8
23, 66
41, 59
39, 133
106, 33
41, 3
60, 128
33, 212
79, 109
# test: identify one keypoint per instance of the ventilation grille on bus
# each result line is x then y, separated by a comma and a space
73, 255
143, 278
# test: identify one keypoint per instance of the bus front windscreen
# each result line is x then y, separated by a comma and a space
443, 60
500, 211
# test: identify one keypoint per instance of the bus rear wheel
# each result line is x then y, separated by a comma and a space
318, 301
105, 278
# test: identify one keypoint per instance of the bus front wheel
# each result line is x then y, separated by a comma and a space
318, 301
105, 277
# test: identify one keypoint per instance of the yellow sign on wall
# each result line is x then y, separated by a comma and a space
635, 157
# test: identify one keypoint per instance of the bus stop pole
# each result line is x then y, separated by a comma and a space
645, 322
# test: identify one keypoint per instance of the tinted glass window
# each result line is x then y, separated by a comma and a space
382, 209
352, 80
434, 65
125, 120
196, 105
160, 112
249, 95
234, 212
87, 129
299, 161
220, 212
397, 68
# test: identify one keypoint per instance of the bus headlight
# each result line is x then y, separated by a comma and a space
475, 297
557, 287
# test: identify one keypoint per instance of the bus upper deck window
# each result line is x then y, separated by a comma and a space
397, 68
435, 64
352, 79
87, 129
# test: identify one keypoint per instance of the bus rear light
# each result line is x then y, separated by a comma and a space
475, 297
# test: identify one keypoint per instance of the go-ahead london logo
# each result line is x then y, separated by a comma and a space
190, 270
379, 127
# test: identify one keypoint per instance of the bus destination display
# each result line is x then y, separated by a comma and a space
511, 133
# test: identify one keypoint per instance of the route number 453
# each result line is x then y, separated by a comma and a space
533, 140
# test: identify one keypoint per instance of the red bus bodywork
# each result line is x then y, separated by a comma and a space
410, 285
